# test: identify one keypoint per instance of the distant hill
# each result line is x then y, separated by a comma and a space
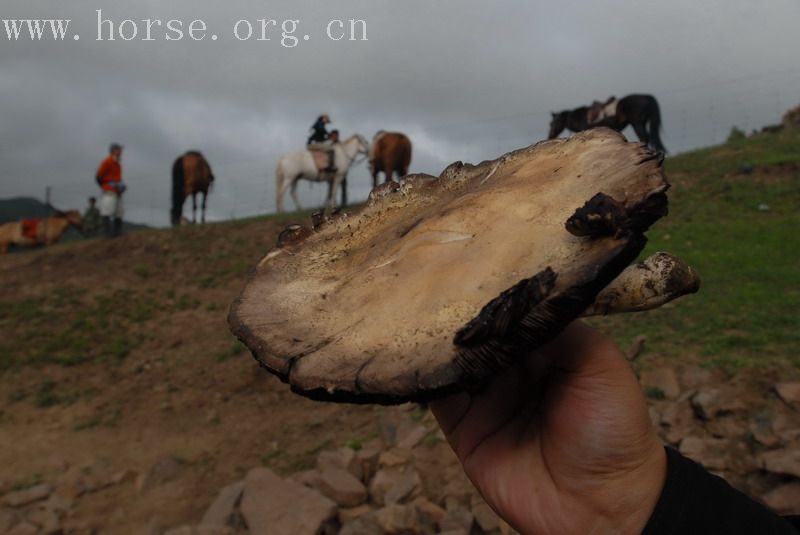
17, 208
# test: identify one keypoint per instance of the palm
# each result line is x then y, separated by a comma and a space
565, 454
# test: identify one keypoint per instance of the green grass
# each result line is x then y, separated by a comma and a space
747, 313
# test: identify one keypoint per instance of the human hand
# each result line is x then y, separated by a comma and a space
561, 442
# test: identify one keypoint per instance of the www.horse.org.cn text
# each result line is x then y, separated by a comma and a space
287, 32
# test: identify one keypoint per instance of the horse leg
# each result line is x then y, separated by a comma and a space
194, 208
293, 190
203, 216
641, 132
344, 191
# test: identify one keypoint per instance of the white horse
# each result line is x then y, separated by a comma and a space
300, 164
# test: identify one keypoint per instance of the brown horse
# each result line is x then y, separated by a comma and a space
191, 175
390, 153
31, 232
640, 111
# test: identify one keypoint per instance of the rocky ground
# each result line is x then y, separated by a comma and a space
126, 407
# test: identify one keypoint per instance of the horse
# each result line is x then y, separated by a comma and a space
191, 175
389, 153
300, 164
31, 232
640, 111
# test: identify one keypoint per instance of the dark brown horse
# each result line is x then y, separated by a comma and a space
191, 175
389, 153
640, 111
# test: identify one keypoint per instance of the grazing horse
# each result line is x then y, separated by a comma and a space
640, 111
30, 232
300, 164
389, 153
191, 175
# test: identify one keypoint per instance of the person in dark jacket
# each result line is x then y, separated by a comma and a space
319, 133
562, 443
321, 140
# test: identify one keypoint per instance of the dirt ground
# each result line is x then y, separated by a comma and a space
155, 374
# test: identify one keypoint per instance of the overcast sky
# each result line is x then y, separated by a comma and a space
466, 80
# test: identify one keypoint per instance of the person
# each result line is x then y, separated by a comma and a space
109, 178
321, 140
91, 218
562, 443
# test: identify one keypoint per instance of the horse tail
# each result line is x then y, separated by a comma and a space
655, 127
178, 191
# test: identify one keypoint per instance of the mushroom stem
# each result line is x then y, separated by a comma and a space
649, 284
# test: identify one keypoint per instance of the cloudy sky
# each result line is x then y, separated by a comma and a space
466, 80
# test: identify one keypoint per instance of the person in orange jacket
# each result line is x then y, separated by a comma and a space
109, 178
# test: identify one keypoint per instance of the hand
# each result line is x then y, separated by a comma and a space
562, 442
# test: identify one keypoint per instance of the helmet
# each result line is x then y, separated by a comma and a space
114, 146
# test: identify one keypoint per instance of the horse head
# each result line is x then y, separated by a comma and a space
557, 124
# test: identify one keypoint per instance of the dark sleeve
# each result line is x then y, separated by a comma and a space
695, 501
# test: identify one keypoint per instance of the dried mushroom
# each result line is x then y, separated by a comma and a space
437, 283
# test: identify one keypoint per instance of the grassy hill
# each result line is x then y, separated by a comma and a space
118, 352
734, 215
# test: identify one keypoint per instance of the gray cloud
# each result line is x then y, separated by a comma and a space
465, 79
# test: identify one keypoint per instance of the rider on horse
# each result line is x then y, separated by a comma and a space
321, 140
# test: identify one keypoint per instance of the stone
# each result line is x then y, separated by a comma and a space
696, 377
123, 476
365, 525
705, 403
785, 499
429, 512
727, 427
7, 519
200, 530
411, 436
349, 514
46, 520
272, 506
485, 517
342, 458
342, 487
458, 519
221, 510
396, 519
394, 457
708, 452
27, 496
164, 470
663, 379
367, 459
309, 478
760, 428
789, 392
785, 462
393, 486
23, 528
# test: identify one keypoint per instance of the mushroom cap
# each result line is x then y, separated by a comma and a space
437, 283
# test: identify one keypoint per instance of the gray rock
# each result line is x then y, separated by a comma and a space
164, 470
458, 519
708, 403
221, 510
342, 458
393, 486
200, 530
349, 514
367, 459
696, 377
429, 512
7, 519
711, 453
410, 437
785, 462
47, 521
784, 500
664, 380
23, 528
342, 487
485, 517
365, 525
396, 519
27, 496
272, 506
789, 392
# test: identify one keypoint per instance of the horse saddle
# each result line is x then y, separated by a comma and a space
30, 228
322, 159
